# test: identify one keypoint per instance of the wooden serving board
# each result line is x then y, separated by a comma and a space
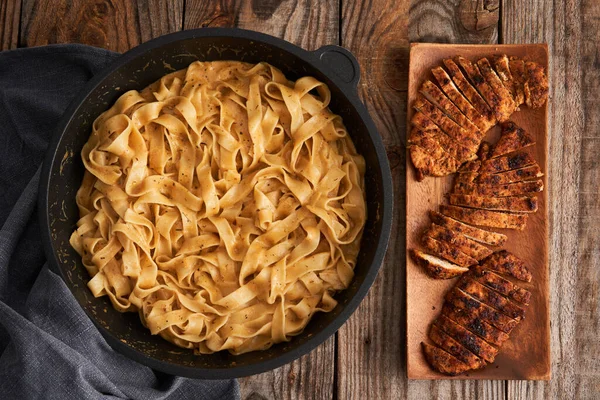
526, 355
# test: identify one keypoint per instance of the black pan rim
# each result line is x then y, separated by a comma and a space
386, 210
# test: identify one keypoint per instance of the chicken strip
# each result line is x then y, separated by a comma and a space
502, 68
449, 145
465, 178
480, 235
527, 188
446, 343
495, 83
428, 165
512, 204
500, 285
436, 267
506, 163
461, 102
516, 175
501, 110
452, 129
490, 219
536, 86
442, 361
476, 345
448, 252
491, 298
462, 300
512, 138
475, 324
506, 263
439, 99
517, 70
459, 241
470, 92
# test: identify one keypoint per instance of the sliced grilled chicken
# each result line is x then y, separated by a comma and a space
490, 219
428, 141
512, 189
500, 285
436, 267
491, 298
512, 204
471, 166
517, 70
460, 299
536, 86
447, 252
439, 99
459, 241
512, 138
451, 346
427, 164
449, 145
501, 110
442, 361
503, 68
470, 92
467, 139
475, 324
507, 263
506, 163
461, 102
485, 67
480, 235
471, 341
516, 175
465, 178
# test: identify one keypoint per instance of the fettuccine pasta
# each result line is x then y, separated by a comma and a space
224, 203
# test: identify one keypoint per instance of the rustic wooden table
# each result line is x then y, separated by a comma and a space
366, 358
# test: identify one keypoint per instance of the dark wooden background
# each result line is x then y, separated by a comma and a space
366, 358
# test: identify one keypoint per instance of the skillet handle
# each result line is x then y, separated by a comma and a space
341, 62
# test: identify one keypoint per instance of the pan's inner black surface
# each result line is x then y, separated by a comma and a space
67, 171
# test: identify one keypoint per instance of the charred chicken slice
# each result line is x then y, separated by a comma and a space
427, 164
459, 241
436, 267
513, 176
448, 252
517, 70
512, 189
496, 84
536, 85
480, 235
506, 163
512, 138
442, 361
507, 263
471, 166
513, 204
490, 219
449, 145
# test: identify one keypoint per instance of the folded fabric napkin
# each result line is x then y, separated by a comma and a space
48, 347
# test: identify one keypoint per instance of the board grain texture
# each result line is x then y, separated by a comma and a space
366, 359
526, 355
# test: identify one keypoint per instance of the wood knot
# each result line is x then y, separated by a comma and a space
396, 156
477, 15
219, 20
264, 9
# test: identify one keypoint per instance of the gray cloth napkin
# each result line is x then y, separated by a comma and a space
49, 349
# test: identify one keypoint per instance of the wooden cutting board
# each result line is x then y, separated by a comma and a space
526, 355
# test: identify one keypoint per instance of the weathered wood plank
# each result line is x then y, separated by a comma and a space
454, 21
306, 23
9, 24
115, 25
571, 30
309, 24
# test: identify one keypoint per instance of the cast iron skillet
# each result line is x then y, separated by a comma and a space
63, 171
